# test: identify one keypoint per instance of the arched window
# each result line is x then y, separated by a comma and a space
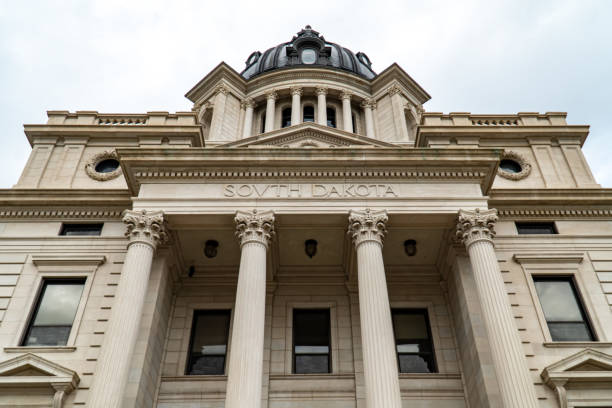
331, 117
354, 123
308, 113
263, 123
286, 117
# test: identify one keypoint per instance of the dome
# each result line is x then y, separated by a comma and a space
308, 48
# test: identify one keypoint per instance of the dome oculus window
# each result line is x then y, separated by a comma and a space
513, 166
309, 56
103, 166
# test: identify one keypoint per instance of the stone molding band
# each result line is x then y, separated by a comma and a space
367, 226
147, 227
254, 227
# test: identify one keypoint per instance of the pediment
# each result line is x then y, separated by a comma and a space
30, 369
585, 366
307, 135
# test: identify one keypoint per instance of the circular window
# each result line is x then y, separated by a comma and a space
309, 56
513, 166
103, 166
510, 166
107, 166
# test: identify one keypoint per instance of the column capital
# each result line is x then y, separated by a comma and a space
221, 88
369, 103
272, 94
321, 90
367, 225
247, 103
254, 227
297, 90
146, 227
394, 89
345, 94
476, 225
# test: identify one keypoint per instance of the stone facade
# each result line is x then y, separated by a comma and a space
409, 210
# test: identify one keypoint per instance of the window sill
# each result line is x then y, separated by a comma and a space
438, 376
37, 349
576, 344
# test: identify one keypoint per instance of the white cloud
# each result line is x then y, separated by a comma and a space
134, 56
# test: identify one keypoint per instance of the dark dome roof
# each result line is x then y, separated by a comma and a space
308, 48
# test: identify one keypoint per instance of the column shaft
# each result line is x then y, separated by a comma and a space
347, 117
377, 339
248, 118
270, 111
296, 106
516, 385
322, 106
244, 380
369, 120
115, 357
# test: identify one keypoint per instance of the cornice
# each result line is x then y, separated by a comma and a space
221, 72
395, 72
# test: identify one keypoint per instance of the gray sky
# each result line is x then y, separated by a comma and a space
132, 56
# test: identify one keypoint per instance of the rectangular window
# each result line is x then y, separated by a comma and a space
413, 342
536, 228
81, 229
562, 309
311, 341
54, 314
208, 348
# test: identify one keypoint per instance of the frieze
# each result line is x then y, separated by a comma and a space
310, 191
57, 213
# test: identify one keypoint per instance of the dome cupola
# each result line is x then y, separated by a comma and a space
308, 48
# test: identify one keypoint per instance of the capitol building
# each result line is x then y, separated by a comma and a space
308, 235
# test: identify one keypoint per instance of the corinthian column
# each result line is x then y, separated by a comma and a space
145, 231
322, 106
368, 229
244, 381
248, 104
367, 106
296, 114
347, 118
270, 110
475, 229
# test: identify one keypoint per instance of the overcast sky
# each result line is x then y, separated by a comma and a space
126, 56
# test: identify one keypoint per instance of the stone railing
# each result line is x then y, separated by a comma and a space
520, 119
109, 119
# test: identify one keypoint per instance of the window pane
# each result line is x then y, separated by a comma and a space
81, 229
569, 332
55, 312
308, 114
536, 228
331, 117
413, 341
311, 339
286, 117
311, 364
209, 336
413, 363
558, 301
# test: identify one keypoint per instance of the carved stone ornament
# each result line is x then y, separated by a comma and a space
221, 88
146, 227
254, 227
476, 225
369, 103
520, 159
367, 226
90, 167
297, 90
346, 95
321, 90
272, 94
247, 103
394, 89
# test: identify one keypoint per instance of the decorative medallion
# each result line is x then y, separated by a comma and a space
103, 166
513, 166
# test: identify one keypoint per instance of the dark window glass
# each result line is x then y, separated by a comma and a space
309, 56
413, 343
107, 166
311, 341
354, 124
510, 166
81, 229
331, 117
308, 114
286, 117
562, 309
536, 228
208, 347
54, 314
263, 123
